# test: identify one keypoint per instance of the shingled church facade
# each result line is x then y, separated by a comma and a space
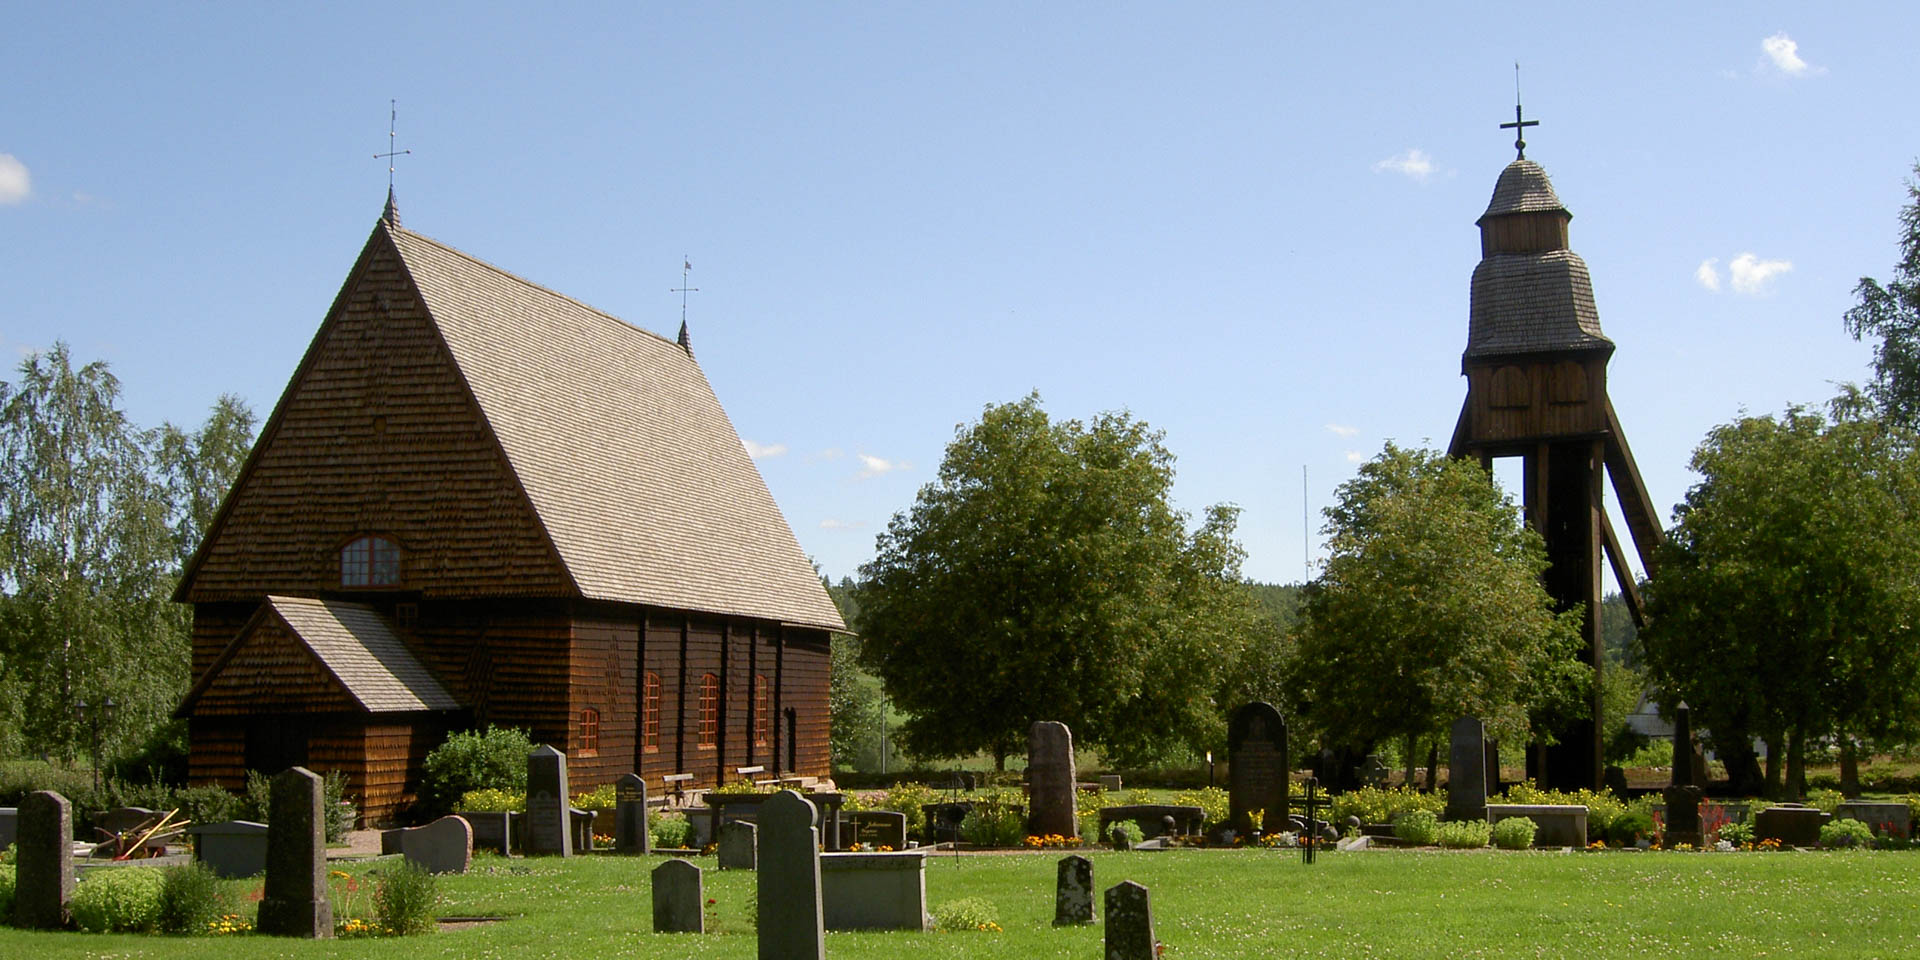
482, 502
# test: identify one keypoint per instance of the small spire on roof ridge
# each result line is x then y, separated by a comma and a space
686, 342
391, 215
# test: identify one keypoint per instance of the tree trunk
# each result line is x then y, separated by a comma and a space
1796, 764
1774, 749
1408, 757
1849, 767
1433, 765
999, 760
1744, 777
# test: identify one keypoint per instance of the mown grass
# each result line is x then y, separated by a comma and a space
1208, 904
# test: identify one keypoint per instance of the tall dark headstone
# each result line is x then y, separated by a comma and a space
792, 925
295, 902
630, 833
1257, 768
1073, 891
1050, 780
547, 804
1129, 923
1684, 795
679, 904
43, 865
1467, 771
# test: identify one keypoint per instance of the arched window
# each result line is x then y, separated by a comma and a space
589, 744
650, 713
760, 722
370, 562
709, 710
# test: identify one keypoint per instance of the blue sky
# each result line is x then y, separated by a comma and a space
1251, 226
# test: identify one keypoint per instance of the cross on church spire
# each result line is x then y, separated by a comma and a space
1518, 126
392, 213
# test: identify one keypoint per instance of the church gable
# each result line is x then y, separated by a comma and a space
267, 670
376, 471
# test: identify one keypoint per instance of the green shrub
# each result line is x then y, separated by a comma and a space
968, 913
669, 830
21, 777
1376, 805
1514, 833
118, 900
6, 890
1627, 829
191, 898
492, 801
601, 797
404, 898
907, 798
993, 823
1827, 800
1846, 832
1212, 800
475, 760
1418, 827
208, 803
1737, 833
1127, 829
1466, 834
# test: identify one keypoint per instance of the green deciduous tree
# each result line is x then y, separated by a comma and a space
1430, 607
1891, 312
1045, 576
1787, 602
198, 467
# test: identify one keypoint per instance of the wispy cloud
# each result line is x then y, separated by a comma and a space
761, 451
872, 466
1413, 162
1751, 275
1355, 456
1707, 274
15, 182
1342, 430
831, 523
1784, 54
830, 453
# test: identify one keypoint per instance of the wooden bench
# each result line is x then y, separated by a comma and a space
676, 787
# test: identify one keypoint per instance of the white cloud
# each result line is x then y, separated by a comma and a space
1414, 163
15, 182
872, 466
1355, 456
760, 451
833, 524
1342, 430
1750, 274
1784, 54
1708, 274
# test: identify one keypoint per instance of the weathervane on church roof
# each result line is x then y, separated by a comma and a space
392, 214
1518, 126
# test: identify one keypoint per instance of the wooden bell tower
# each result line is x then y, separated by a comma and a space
1536, 369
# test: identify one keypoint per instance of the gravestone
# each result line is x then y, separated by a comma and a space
1073, 891
874, 891
630, 833
737, 845
1684, 774
1050, 780
879, 828
9, 826
1110, 783
232, 848
1683, 796
791, 921
493, 830
1129, 923
679, 901
1117, 838
443, 846
548, 812
43, 862
1467, 771
1892, 819
1793, 824
295, 901
1256, 768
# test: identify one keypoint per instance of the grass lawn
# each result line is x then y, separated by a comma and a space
1212, 904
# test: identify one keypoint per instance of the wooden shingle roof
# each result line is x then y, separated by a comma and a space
356, 647
1523, 187
623, 450
1531, 303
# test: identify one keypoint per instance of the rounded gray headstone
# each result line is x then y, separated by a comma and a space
678, 899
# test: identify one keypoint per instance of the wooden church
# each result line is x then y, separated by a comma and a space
482, 502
